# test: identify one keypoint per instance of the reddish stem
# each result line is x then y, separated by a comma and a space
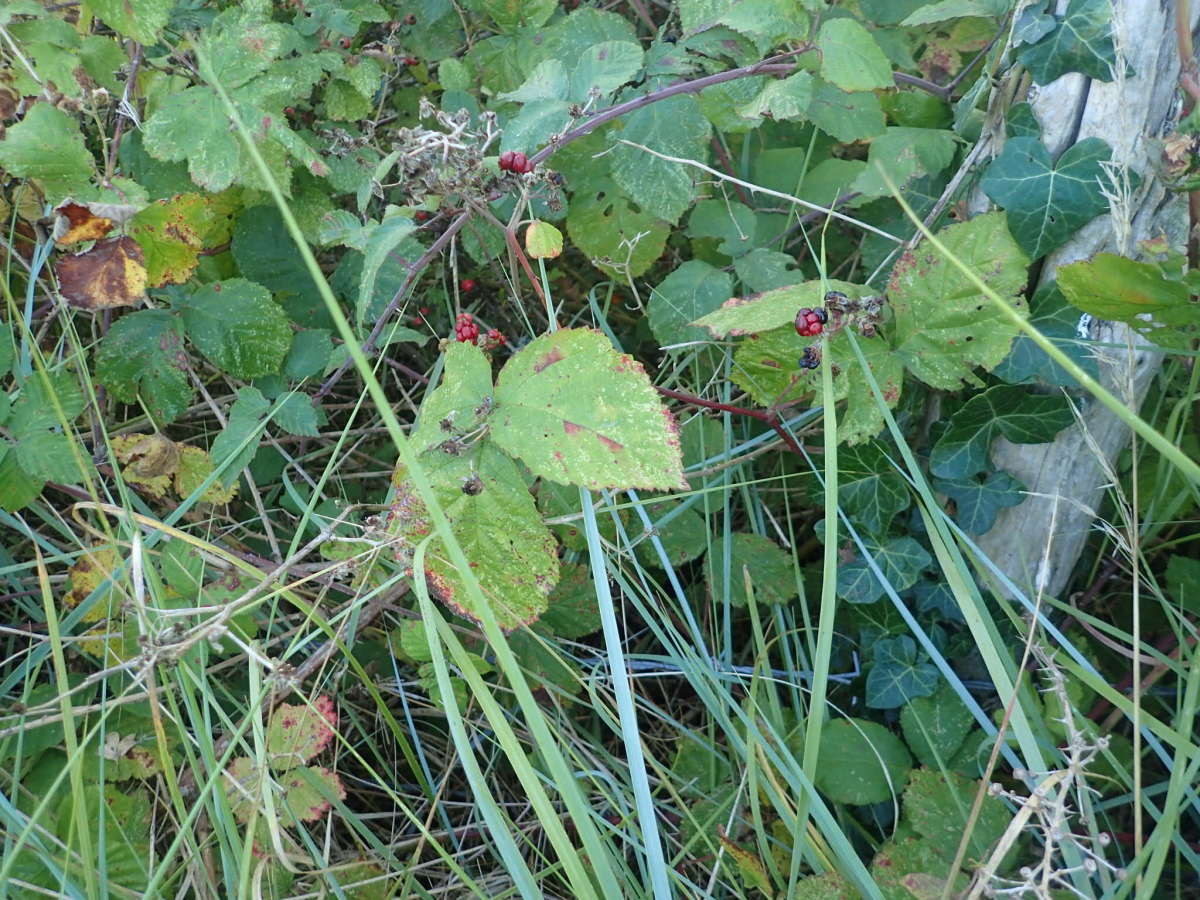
767, 416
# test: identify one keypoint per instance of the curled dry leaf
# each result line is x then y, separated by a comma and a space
113, 273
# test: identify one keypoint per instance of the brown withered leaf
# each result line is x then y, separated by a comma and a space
113, 273
75, 223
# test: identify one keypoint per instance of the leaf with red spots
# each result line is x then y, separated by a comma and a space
576, 411
112, 273
297, 733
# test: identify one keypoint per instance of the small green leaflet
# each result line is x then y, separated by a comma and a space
863, 762
899, 672
939, 808
141, 20
957, 9
1140, 294
42, 450
731, 222
618, 239
773, 309
945, 327
904, 154
577, 412
1082, 42
689, 292
1047, 201
978, 500
850, 58
784, 98
236, 445
238, 327
142, 358
845, 117
1011, 411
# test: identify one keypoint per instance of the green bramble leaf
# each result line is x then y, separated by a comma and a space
865, 763
141, 20
1048, 200
846, 117
1142, 295
602, 68
904, 154
18, 488
142, 358
689, 292
1082, 42
618, 238
308, 355
42, 450
675, 127
939, 807
978, 500
172, 232
510, 15
731, 222
772, 570
295, 414
238, 327
944, 327
773, 309
266, 254
577, 412
766, 366
1015, 413
900, 559
47, 146
850, 58
899, 673
486, 500
936, 726
781, 99
765, 270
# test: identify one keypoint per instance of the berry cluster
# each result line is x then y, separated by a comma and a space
465, 329
515, 162
810, 321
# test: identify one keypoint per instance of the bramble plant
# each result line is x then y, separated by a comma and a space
512, 447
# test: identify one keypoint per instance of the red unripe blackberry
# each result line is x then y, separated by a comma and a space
344, 43
809, 322
420, 215
506, 161
467, 285
521, 163
465, 329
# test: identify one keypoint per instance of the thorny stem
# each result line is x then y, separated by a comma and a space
767, 416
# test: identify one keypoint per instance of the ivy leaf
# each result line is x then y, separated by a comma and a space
618, 238
491, 513
843, 116
1021, 417
1028, 363
577, 412
685, 295
1047, 201
46, 145
141, 20
944, 326
850, 58
731, 222
1137, 293
236, 445
1082, 42
936, 726
675, 127
870, 489
899, 673
904, 154
238, 327
142, 357
900, 560
979, 500
865, 763
772, 570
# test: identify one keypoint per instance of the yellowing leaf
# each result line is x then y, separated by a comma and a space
111, 274
543, 240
